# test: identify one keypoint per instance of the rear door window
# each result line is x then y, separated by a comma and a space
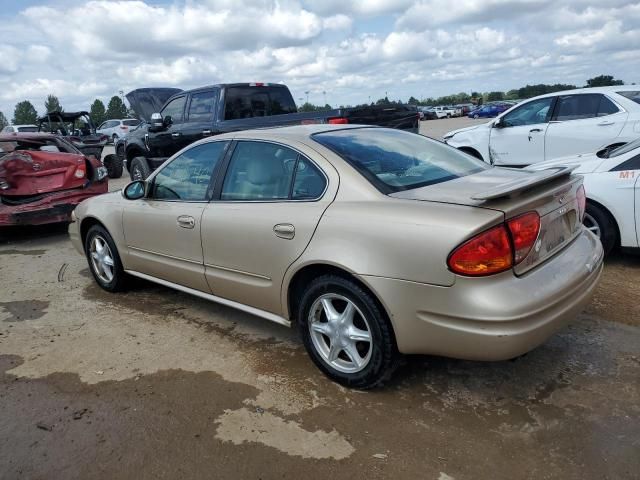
607, 107
202, 106
174, 109
259, 171
577, 107
131, 123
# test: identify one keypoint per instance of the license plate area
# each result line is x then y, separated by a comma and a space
557, 229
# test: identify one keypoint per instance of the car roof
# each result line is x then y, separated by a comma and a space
608, 89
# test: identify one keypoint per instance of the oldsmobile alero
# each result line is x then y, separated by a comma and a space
376, 242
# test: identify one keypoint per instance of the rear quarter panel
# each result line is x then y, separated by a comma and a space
394, 238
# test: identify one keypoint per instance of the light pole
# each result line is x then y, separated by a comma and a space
307, 93
324, 94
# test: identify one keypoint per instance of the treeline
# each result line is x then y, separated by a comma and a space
25, 113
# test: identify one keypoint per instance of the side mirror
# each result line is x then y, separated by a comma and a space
156, 123
135, 190
499, 123
167, 121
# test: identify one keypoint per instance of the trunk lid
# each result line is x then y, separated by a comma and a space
31, 173
551, 193
147, 101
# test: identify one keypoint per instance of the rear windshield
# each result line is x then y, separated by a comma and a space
394, 160
248, 102
632, 95
130, 123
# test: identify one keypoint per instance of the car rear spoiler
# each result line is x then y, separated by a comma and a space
536, 177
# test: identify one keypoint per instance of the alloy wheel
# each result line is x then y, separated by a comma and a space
101, 259
591, 225
340, 333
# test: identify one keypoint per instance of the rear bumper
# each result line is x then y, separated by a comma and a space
52, 208
493, 318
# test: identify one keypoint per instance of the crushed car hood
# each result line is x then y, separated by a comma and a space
467, 129
147, 101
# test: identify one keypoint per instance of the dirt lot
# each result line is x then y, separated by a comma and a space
157, 384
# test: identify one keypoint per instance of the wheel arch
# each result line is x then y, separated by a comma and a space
133, 151
295, 287
607, 212
85, 224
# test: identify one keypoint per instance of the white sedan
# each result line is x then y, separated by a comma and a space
553, 126
612, 184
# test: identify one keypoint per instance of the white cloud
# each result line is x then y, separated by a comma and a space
80, 50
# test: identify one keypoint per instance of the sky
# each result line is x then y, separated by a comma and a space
344, 51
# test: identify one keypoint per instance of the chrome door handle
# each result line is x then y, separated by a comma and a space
176, 134
186, 221
206, 133
284, 230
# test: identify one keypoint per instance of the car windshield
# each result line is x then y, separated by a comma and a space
394, 160
624, 148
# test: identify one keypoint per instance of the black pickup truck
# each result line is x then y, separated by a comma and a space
174, 118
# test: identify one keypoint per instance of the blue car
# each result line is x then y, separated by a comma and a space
488, 111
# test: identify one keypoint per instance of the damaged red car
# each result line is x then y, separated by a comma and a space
43, 177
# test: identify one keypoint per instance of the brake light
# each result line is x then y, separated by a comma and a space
81, 170
256, 84
581, 195
124, 127
524, 232
485, 254
338, 121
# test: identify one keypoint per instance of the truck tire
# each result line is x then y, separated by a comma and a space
139, 169
113, 164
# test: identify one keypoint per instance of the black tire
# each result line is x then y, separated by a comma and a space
384, 356
476, 116
139, 168
114, 166
119, 280
602, 224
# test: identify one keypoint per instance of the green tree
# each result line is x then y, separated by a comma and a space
603, 81
413, 101
52, 104
383, 101
3, 121
116, 108
97, 112
24, 113
495, 96
308, 107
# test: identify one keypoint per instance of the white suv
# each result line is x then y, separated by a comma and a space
20, 128
115, 129
554, 125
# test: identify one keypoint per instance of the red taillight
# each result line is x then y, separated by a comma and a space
257, 84
524, 232
81, 170
338, 121
124, 127
581, 195
487, 253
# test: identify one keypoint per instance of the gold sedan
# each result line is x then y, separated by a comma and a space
377, 242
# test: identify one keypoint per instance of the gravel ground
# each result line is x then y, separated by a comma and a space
156, 384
